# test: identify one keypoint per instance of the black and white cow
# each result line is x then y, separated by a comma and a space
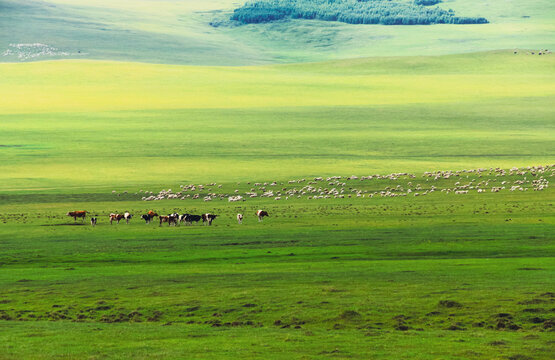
182, 217
147, 218
261, 214
93, 221
208, 218
240, 218
189, 219
127, 216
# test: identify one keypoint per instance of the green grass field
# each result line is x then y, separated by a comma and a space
443, 276
101, 125
440, 276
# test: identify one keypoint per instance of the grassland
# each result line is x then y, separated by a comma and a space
85, 125
441, 276
179, 32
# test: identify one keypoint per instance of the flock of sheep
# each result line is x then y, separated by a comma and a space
345, 187
25, 52
479, 180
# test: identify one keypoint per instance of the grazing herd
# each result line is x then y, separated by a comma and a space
467, 181
344, 187
172, 219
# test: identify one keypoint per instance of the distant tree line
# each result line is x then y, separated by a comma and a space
427, 2
385, 12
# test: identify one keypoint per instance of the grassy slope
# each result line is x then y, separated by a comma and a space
513, 24
151, 31
179, 32
90, 124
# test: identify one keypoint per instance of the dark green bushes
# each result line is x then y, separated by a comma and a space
426, 2
383, 12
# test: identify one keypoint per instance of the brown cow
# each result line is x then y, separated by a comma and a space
152, 214
170, 219
77, 214
116, 217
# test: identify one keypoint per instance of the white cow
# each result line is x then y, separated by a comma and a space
127, 216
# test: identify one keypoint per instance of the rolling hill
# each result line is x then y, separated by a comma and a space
200, 33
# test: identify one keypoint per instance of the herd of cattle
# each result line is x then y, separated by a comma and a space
171, 219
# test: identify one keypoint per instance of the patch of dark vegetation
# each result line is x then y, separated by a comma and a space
349, 315
260, 243
532, 302
507, 324
519, 357
336, 351
449, 304
537, 320
401, 323
504, 315
533, 310
540, 299
333, 290
455, 327
498, 343
427, 2
133, 316
249, 305
156, 315
384, 12
529, 269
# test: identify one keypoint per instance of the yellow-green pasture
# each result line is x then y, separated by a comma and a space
87, 124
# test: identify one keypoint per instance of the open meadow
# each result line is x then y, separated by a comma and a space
81, 125
368, 270
362, 274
